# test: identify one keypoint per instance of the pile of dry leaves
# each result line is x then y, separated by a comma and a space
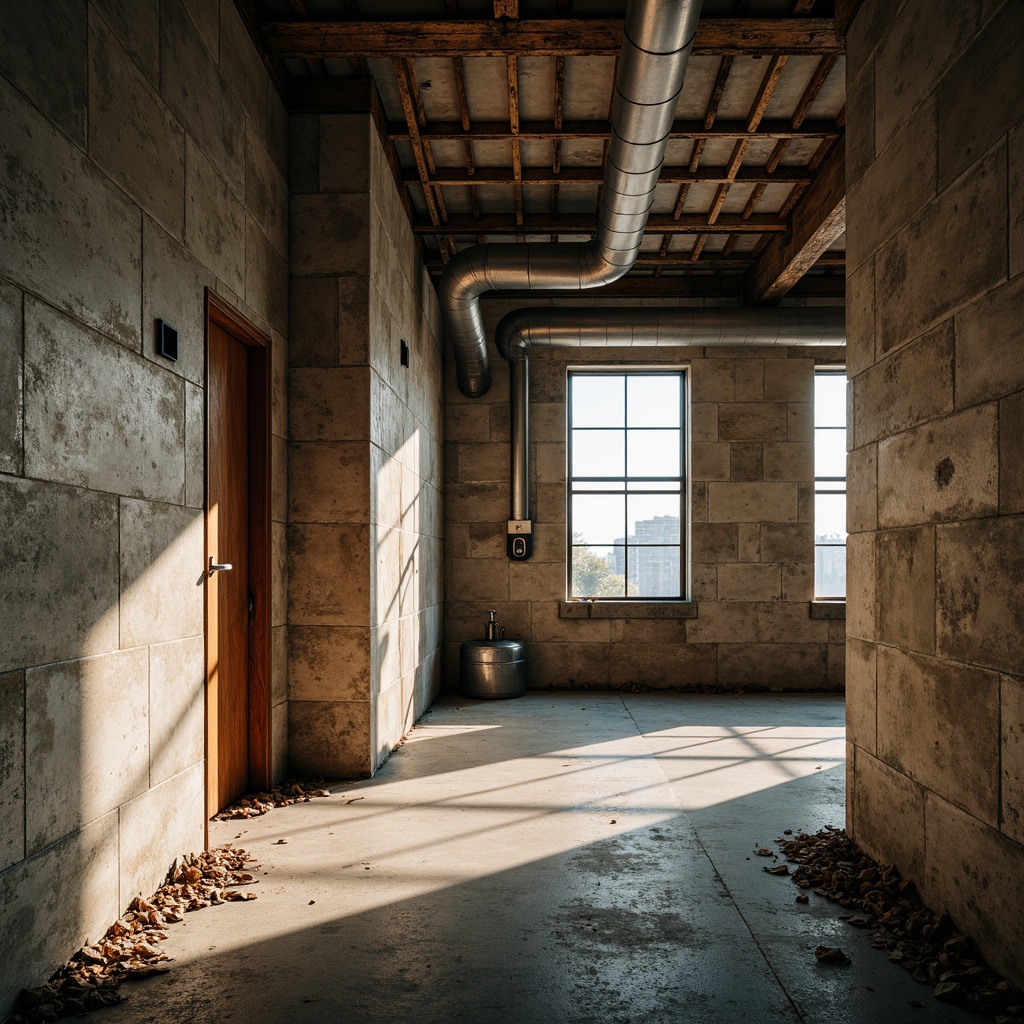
89, 980
923, 942
279, 796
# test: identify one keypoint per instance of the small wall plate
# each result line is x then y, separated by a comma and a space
167, 340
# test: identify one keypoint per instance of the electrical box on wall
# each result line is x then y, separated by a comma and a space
166, 340
519, 539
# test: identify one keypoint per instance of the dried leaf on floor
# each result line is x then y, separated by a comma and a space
128, 951
831, 955
280, 796
924, 943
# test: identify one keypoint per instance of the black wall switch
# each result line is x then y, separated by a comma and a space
166, 340
405, 352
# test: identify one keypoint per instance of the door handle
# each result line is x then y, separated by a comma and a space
223, 567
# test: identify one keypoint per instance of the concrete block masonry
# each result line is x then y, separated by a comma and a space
934, 556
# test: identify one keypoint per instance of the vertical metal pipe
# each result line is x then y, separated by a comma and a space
520, 429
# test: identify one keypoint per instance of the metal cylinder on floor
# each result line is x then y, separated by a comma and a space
492, 668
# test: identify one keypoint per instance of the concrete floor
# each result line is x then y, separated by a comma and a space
563, 857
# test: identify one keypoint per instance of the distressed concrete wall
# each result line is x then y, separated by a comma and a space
935, 253
364, 495
751, 537
143, 160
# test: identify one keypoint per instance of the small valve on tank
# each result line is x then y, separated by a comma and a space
491, 626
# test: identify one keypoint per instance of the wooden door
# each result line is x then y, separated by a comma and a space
228, 544
237, 557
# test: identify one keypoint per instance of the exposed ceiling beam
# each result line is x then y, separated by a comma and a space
534, 37
558, 92
815, 223
691, 286
569, 224
710, 113
512, 70
594, 175
401, 71
708, 261
498, 131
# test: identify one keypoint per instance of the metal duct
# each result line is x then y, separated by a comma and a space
635, 328
658, 35
601, 327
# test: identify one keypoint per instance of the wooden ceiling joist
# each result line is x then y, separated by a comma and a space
498, 131
534, 37
765, 91
716, 261
821, 72
539, 224
594, 175
419, 154
467, 147
815, 223
710, 113
754, 199
724, 67
512, 69
755, 116
558, 94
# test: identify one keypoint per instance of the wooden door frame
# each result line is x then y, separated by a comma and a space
258, 385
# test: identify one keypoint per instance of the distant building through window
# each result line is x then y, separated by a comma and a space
626, 484
830, 483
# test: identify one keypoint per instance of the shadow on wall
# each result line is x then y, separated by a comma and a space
519, 913
113, 724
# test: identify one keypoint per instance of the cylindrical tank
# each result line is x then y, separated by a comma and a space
492, 668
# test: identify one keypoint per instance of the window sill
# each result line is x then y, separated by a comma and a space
627, 609
828, 609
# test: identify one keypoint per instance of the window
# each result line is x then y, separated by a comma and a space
626, 484
830, 483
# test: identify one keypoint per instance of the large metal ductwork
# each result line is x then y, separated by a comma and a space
658, 38
634, 328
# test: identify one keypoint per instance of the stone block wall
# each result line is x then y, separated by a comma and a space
935, 250
751, 543
142, 160
365, 493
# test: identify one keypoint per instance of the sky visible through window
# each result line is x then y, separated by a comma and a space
830, 483
626, 469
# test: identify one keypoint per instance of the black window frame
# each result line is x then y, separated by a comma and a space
682, 480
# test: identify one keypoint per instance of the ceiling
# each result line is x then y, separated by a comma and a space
498, 114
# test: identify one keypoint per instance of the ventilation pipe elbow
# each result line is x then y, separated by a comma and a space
658, 36
576, 327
